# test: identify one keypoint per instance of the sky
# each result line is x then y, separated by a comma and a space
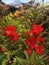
10, 1
45, 1
23, 1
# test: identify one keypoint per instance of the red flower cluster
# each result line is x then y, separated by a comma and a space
34, 39
3, 49
39, 49
0, 27
10, 31
37, 29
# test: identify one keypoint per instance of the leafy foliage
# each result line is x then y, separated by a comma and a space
16, 51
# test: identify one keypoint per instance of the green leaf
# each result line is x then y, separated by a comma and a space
13, 63
20, 54
4, 62
41, 59
22, 61
33, 58
27, 56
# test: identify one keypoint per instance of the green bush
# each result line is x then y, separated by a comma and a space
14, 52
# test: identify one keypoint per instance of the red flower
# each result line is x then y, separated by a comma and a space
3, 49
31, 45
39, 49
10, 31
15, 37
0, 27
27, 42
34, 38
11, 28
36, 46
29, 51
31, 41
41, 39
28, 33
37, 29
